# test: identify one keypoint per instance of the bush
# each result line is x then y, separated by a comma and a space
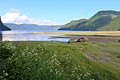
6, 51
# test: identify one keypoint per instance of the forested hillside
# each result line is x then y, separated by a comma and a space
102, 20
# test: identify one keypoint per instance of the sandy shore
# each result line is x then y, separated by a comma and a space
108, 33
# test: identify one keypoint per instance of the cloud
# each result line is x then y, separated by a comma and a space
14, 16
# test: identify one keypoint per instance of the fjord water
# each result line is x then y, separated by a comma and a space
18, 35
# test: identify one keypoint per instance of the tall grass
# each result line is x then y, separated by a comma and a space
55, 61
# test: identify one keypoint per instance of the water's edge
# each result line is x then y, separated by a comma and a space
28, 36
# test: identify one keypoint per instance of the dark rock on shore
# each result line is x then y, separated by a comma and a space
81, 39
0, 37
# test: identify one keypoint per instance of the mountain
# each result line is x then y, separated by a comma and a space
3, 27
102, 20
32, 27
113, 25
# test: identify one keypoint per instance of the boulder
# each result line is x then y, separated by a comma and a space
71, 40
82, 39
118, 41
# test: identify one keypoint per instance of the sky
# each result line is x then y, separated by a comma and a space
52, 12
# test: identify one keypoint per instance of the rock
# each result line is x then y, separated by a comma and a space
71, 40
118, 56
82, 39
0, 36
118, 41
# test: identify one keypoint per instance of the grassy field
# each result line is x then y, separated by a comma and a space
59, 61
109, 33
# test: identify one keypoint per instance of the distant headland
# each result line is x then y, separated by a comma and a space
3, 27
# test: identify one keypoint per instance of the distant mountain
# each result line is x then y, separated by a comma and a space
102, 20
32, 27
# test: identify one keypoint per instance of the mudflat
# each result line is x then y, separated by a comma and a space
94, 36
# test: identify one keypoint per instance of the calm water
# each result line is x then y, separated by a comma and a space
28, 36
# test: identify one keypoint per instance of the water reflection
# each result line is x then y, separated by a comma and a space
28, 36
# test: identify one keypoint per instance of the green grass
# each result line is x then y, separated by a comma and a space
59, 61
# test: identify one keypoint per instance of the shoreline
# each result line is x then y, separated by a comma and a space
98, 33
94, 36
91, 38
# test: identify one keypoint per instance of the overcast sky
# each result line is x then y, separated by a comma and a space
49, 12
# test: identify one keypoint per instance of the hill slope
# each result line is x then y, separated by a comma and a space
99, 20
113, 25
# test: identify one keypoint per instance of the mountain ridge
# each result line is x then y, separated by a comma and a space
13, 26
94, 23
